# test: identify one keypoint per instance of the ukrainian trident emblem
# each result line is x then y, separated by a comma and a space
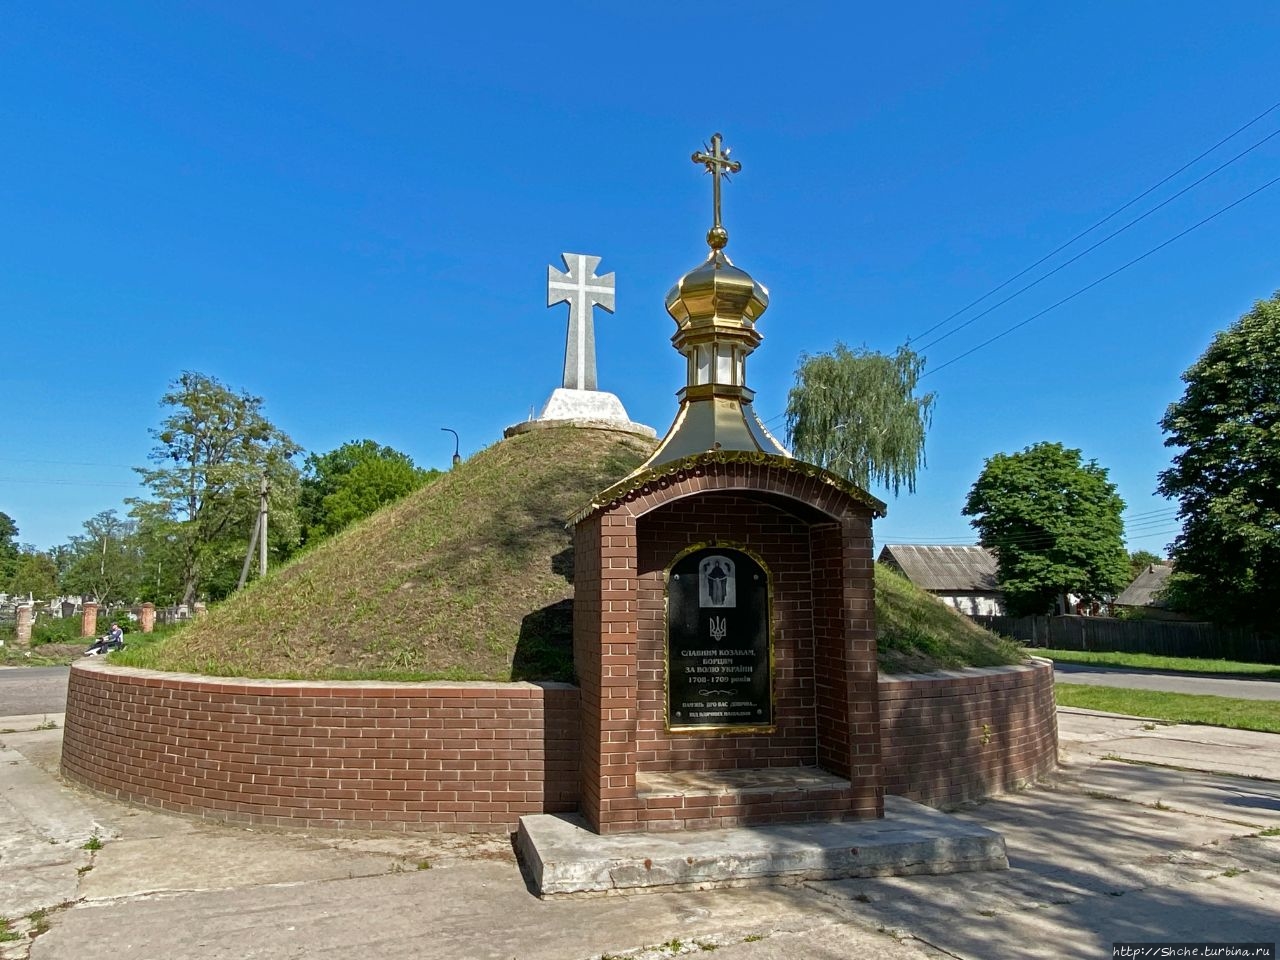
719, 629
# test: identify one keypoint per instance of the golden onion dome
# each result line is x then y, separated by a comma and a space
717, 292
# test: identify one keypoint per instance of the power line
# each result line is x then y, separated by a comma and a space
68, 483
1090, 286
65, 463
1026, 537
1087, 250
1147, 524
1095, 226
1157, 533
1151, 513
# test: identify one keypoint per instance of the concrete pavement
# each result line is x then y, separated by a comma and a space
1107, 850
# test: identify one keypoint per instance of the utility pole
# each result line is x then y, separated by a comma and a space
248, 556
258, 538
262, 527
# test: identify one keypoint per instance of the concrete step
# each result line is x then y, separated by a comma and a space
565, 858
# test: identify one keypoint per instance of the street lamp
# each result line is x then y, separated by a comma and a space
456, 458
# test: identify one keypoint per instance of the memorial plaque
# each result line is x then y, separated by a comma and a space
719, 656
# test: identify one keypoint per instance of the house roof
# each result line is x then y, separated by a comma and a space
942, 569
1145, 587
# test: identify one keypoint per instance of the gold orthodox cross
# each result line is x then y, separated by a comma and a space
718, 165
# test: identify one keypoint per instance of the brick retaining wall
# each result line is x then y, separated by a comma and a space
966, 734
427, 756
471, 756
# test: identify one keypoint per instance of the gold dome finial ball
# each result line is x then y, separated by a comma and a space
717, 237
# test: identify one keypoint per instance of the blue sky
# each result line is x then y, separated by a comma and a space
348, 209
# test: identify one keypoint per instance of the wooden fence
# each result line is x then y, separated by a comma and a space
1161, 637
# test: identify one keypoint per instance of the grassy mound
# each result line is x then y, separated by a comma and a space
470, 578
914, 632
466, 578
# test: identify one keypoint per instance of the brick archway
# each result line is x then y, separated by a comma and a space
823, 759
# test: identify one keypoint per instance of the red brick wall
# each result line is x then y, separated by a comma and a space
776, 512
968, 734
782, 542
588, 609
462, 757
434, 756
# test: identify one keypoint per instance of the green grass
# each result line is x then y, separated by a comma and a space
39, 922
1261, 715
49, 655
60, 654
915, 632
464, 579
470, 578
1147, 661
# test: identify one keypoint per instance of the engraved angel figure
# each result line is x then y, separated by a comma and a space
717, 582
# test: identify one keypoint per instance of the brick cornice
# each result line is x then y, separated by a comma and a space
761, 471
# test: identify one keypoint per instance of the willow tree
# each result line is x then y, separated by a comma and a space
856, 413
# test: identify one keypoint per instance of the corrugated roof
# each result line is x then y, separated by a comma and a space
941, 569
1142, 592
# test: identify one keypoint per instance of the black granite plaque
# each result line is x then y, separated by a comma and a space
719, 670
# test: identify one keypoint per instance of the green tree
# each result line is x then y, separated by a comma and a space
213, 449
159, 544
856, 413
1140, 560
1227, 477
351, 482
8, 550
105, 561
35, 575
1054, 525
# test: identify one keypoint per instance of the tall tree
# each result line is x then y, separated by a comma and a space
213, 449
36, 575
1227, 477
351, 482
105, 561
1054, 525
856, 413
160, 546
8, 550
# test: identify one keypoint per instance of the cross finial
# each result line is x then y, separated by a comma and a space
718, 165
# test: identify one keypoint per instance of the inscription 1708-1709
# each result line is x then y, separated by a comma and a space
719, 669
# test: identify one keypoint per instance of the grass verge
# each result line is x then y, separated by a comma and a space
1147, 661
1260, 715
48, 655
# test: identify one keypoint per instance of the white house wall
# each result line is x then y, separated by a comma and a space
974, 605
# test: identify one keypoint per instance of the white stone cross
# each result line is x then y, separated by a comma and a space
583, 290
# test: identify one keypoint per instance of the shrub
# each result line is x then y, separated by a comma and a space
56, 630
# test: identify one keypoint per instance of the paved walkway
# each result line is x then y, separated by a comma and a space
1107, 850
1163, 680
